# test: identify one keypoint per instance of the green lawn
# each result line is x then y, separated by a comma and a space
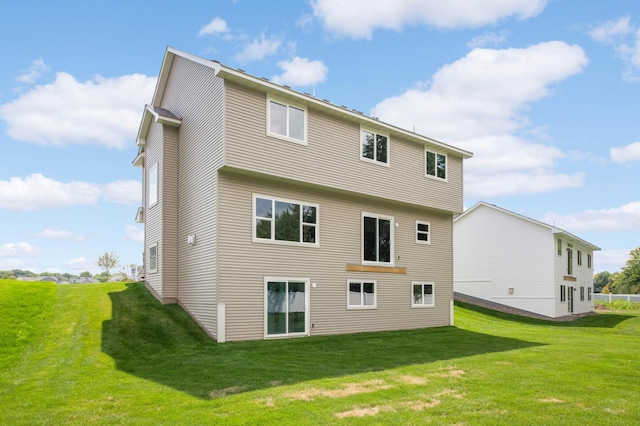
111, 354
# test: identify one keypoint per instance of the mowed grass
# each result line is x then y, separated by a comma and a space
111, 354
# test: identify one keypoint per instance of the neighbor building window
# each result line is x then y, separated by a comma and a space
559, 247
435, 165
153, 258
589, 261
569, 261
285, 221
374, 147
287, 121
579, 258
377, 239
563, 293
153, 185
582, 294
423, 232
361, 294
589, 290
422, 295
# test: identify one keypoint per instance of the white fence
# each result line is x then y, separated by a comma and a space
610, 297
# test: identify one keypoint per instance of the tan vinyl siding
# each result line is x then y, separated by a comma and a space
153, 215
169, 189
331, 157
243, 264
195, 95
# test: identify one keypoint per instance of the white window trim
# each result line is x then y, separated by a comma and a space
307, 320
154, 270
422, 222
374, 161
375, 295
393, 244
288, 105
153, 169
433, 294
446, 166
279, 242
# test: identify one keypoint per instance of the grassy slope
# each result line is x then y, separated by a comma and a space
110, 354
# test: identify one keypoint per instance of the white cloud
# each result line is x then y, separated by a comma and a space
123, 192
611, 31
479, 102
103, 111
301, 72
18, 250
37, 192
133, 233
10, 263
623, 218
490, 39
359, 18
625, 38
260, 47
81, 263
610, 260
625, 154
216, 26
37, 69
59, 234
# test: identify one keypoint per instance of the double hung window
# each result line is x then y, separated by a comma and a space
377, 239
374, 147
153, 185
423, 232
284, 221
153, 258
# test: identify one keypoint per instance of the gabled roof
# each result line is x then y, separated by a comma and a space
553, 229
264, 84
157, 114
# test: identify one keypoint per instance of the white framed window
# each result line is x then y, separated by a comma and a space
153, 185
153, 258
579, 258
285, 221
286, 307
569, 261
435, 165
423, 232
361, 294
422, 295
374, 147
377, 239
559, 247
286, 121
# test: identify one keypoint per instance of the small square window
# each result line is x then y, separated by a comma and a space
374, 147
422, 295
423, 232
286, 121
361, 294
435, 165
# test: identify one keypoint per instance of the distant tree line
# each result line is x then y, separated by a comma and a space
627, 281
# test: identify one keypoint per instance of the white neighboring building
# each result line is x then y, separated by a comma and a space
507, 258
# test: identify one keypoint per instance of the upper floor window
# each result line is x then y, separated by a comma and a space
287, 121
374, 147
589, 261
559, 247
423, 232
153, 185
569, 261
436, 165
377, 239
285, 221
579, 258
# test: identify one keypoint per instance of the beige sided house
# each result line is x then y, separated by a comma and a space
271, 213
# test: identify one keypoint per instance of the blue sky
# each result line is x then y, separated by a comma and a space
545, 93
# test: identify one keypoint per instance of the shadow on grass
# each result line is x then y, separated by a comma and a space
163, 344
601, 320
